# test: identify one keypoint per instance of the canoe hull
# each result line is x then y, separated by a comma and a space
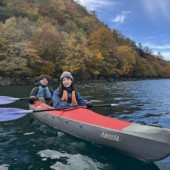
143, 142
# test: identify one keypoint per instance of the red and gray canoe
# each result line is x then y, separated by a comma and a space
143, 142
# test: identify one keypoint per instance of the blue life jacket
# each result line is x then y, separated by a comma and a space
42, 91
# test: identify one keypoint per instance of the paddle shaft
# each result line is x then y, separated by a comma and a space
8, 99
33, 111
74, 107
109, 105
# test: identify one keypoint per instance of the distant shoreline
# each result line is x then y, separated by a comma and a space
31, 81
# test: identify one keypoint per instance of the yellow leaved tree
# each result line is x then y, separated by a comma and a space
76, 57
126, 59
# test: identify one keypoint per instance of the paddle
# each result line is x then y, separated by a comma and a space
7, 114
111, 105
8, 99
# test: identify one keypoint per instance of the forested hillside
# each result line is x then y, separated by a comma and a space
50, 36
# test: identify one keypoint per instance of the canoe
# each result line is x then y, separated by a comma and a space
143, 142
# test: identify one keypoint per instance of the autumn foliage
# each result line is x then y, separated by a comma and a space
50, 36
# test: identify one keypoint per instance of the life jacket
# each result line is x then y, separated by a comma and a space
65, 97
43, 92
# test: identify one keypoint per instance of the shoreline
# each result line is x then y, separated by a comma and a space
6, 81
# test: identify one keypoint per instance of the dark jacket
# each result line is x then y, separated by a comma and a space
47, 92
58, 103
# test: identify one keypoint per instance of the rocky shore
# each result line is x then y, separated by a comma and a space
6, 81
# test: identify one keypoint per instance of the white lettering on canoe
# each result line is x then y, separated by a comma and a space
110, 137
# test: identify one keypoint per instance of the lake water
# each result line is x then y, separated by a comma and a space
28, 144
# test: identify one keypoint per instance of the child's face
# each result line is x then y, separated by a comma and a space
66, 82
44, 81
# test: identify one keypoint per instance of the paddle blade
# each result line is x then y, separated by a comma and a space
7, 114
7, 99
